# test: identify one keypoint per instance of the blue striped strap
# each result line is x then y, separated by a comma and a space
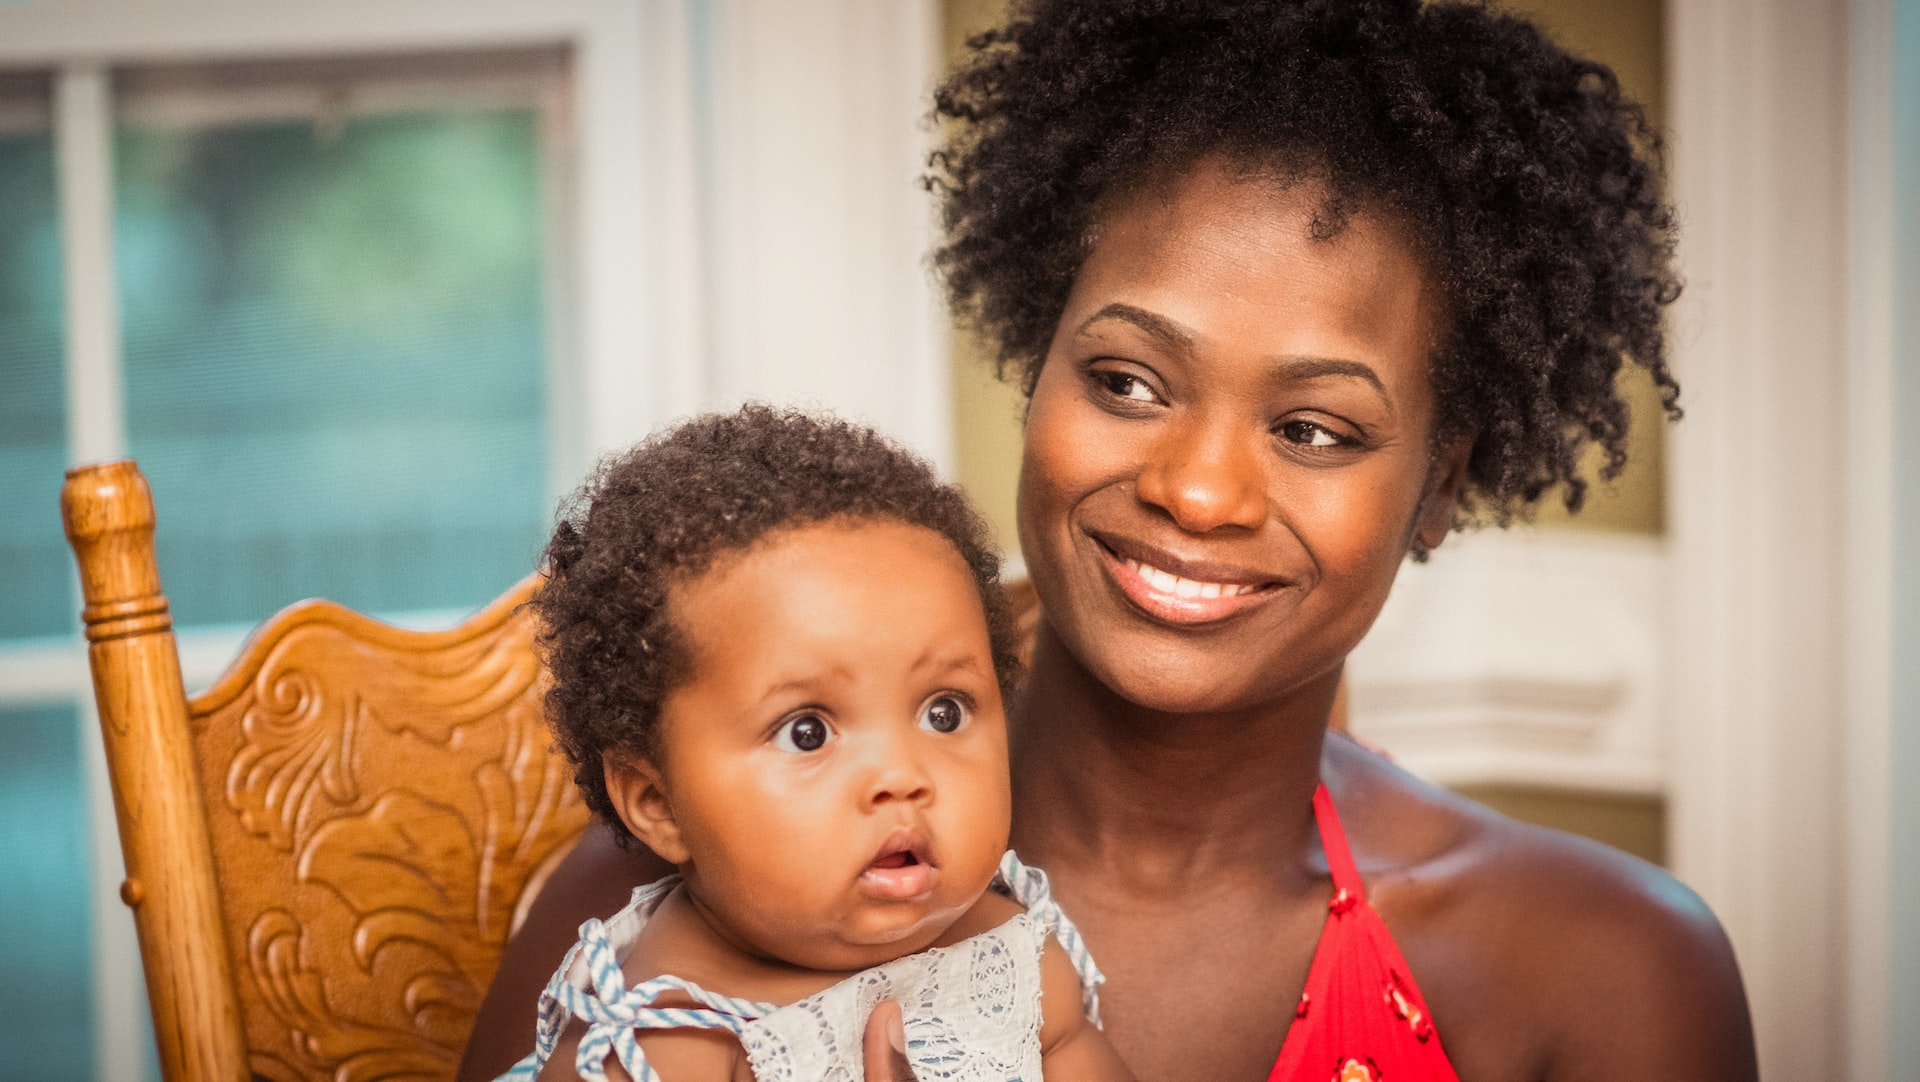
1029, 887
613, 1011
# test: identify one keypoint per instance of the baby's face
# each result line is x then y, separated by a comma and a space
836, 762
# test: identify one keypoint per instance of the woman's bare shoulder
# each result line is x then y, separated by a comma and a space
1608, 964
1444, 850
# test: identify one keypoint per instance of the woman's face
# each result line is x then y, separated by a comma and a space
1229, 448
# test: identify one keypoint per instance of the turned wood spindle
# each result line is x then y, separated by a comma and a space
171, 886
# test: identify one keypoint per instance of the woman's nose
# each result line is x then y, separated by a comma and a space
1205, 477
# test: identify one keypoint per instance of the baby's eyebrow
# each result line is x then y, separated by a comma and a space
785, 686
811, 682
948, 659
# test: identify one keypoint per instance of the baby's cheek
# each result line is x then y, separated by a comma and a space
977, 858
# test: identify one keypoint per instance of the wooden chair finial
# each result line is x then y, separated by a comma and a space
170, 885
108, 511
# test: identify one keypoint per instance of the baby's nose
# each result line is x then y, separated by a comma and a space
898, 775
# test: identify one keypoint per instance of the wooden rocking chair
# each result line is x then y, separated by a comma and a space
327, 850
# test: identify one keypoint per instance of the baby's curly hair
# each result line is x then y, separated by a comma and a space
663, 511
1529, 185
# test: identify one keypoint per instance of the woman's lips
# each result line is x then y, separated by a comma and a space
901, 871
1182, 599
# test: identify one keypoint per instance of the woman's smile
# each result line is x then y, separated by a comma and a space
1178, 590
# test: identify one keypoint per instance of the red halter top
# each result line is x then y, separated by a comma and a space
1361, 1018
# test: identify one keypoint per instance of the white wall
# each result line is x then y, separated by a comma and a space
1787, 784
1902, 899
818, 227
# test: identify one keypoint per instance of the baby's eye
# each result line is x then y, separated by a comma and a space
808, 732
943, 715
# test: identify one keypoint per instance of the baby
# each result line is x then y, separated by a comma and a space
778, 648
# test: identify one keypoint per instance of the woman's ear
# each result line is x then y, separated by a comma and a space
639, 793
1434, 519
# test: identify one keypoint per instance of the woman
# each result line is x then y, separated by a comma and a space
1295, 288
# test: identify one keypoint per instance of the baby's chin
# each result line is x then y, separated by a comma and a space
872, 935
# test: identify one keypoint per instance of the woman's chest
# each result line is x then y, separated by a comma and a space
1207, 991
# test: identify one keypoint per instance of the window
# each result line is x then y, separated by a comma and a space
33, 447
334, 326
336, 300
46, 1001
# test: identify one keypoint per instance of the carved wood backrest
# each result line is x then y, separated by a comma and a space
383, 799
326, 850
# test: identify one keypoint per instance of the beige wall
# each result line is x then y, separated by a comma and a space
986, 412
1626, 34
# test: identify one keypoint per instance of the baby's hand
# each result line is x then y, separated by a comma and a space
884, 1048
1072, 1049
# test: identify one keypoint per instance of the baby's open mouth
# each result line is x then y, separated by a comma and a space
902, 870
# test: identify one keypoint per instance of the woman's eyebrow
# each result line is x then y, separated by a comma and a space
1297, 368
1178, 338
1168, 333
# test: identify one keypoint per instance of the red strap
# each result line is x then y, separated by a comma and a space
1361, 1016
1334, 840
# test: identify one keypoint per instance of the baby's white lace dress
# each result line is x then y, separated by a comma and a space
971, 1010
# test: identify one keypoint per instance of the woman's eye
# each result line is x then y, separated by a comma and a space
808, 732
1309, 434
943, 715
1125, 385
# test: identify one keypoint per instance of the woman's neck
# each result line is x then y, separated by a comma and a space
1100, 781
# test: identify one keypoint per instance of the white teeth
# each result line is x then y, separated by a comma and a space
1168, 583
